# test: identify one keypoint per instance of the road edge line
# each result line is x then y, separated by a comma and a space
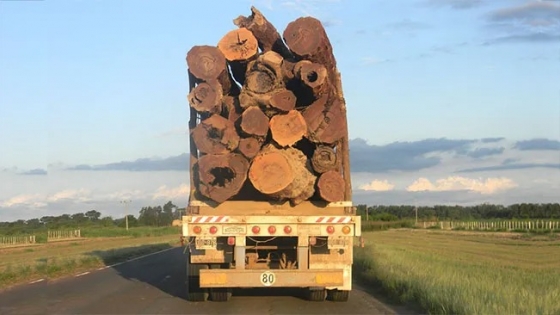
140, 257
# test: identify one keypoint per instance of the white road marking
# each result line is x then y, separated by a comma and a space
82, 274
36, 281
140, 257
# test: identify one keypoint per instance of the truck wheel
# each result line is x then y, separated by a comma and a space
220, 295
194, 292
316, 295
338, 295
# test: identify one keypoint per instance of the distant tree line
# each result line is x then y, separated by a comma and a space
148, 216
522, 211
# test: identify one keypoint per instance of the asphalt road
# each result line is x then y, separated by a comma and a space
155, 285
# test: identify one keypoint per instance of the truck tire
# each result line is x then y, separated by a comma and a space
194, 292
338, 295
220, 294
316, 295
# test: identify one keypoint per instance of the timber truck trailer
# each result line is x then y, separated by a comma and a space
255, 242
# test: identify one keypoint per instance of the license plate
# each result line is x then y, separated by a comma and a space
206, 243
336, 243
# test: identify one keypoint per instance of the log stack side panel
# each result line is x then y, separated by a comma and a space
268, 119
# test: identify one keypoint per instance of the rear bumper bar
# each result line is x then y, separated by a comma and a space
232, 278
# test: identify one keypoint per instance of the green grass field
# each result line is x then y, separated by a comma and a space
53, 260
454, 272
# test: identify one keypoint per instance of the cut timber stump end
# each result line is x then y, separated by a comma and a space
324, 159
216, 135
287, 129
331, 186
206, 62
254, 122
222, 176
206, 98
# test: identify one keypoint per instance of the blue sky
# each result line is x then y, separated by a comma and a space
95, 83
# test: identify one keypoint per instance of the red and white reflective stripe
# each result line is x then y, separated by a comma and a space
210, 219
333, 220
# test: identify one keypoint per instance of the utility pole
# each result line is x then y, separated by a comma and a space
126, 202
416, 211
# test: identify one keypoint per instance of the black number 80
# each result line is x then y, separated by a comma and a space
267, 278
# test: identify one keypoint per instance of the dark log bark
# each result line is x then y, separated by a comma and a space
326, 120
239, 48
283, 101
193, 151
284, 174
287, 129
254, 122
331, 186
266, 34
231, 108
249, 147
216, 135
313, 75
206, 98
222, 176
324, 159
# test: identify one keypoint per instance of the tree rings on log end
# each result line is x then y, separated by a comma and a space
206, 62
283, 100
249, 147
206, 98
331, 186
238, 45
324, 159
270, 172
215, 135
222, 176
287, 129
254, 122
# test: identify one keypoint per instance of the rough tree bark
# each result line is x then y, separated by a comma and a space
206, 98
283, 174
222, 176
313, 75
215, 135
331, 186
287, 129
266, 34
324, 159
239, 48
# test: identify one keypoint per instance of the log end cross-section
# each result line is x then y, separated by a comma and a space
238, 45
222, 176
254, 122
206, 62
287, 129
216, 135
324, 159
206, 98
331, 186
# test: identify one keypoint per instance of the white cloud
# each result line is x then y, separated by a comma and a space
76, 195
457, 183
378, 185
172, 193
29, 200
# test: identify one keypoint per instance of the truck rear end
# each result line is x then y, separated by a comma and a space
271, 196
243, 244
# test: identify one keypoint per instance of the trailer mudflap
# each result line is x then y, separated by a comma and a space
224, 278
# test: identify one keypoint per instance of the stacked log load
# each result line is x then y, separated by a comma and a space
268, 117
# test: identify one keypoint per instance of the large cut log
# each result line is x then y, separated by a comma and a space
313, 75
330, 186
287, 129
208, 64
206, 98
283, 174
266, 34
324, 159
215, 135
264, 77
326, 120
307, 39
222, 176
254, 122
239, 48
282, 100
249, 147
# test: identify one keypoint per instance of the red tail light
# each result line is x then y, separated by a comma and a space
271, 229
287, 229
213, 230
197, 229
330, 229
256, 229
231, 240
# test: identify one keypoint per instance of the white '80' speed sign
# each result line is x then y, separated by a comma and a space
268, 278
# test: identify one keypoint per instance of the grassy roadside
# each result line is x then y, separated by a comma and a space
467, 273
52, 261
